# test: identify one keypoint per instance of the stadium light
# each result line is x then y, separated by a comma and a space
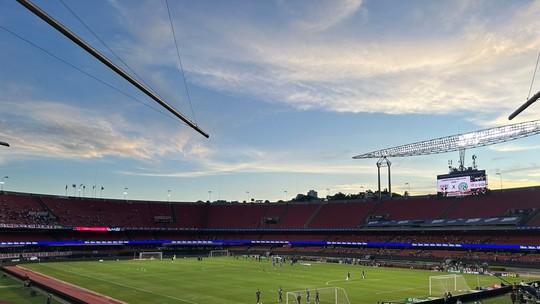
3, 182
499, 173
459, 142
125, 193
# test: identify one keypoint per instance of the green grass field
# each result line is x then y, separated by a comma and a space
12, 291
232, 281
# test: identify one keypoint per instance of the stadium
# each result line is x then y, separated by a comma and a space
85, 164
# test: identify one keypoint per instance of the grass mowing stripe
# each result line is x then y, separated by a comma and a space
131, 287
234, 281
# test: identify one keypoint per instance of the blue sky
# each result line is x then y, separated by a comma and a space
288, 90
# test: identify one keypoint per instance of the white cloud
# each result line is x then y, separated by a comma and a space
210, 167
322, 15
245, 160
513, 147
40, 129
477, 70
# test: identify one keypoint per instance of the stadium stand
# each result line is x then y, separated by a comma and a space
496, 204
20, 208
342, 215
344, 226
410, 209
297, 215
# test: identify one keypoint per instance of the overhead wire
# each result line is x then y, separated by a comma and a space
180, 65
87, 26
14, 34
534, 75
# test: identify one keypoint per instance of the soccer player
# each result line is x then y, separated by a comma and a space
307, 296
363, 275
317, 300
258, 294
348, 276
298, 298
280, 294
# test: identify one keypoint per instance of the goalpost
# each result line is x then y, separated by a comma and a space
218, 253
454, 283
155, 255
327, 295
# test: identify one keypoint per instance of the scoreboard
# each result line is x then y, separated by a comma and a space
462, 183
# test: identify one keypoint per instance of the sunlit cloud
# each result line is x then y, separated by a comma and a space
323, 56
512, 147
321, 16
476, 70
41, 129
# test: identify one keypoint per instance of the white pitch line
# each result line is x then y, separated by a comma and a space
399, 290
333, 281
10, 286
134, 288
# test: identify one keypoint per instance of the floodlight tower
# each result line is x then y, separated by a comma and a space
459, 142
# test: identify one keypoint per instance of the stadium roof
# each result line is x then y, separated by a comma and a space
458, 142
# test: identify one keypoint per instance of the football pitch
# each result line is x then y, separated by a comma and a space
12, 291
227, 280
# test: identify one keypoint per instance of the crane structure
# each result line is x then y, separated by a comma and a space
452, 143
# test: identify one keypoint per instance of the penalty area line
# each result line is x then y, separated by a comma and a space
336, 281
397, 290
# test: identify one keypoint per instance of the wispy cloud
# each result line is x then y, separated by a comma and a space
239, 161
40, 129
212, 167
476, 70
322, 15
513, 147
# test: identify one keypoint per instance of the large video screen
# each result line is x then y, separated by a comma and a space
465, 183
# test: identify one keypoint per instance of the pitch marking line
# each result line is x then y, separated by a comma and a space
398, 290
132, 287
336, 281
66, 283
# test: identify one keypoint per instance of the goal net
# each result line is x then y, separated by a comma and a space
328, 295
218, 253
150, 255
453, 283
